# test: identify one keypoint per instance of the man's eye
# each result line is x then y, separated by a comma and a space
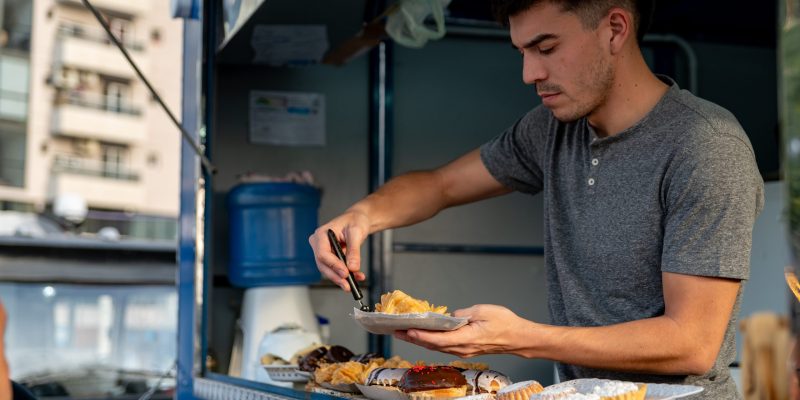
546, 51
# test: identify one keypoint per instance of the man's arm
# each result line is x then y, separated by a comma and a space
5, 376
685, 340
402, 201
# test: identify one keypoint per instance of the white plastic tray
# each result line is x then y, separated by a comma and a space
286, 373
331, 392
351, 388
655, 391
385, 324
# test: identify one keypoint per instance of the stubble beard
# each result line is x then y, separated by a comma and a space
595, 85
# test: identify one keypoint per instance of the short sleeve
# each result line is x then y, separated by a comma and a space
713, 194
515, 156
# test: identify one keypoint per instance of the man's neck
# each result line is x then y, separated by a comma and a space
635, 91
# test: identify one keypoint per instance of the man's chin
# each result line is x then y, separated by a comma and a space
563, 116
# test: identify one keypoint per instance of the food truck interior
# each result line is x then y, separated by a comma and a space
395, 109
303, 107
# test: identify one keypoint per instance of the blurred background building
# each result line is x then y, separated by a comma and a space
75, 120
91, 300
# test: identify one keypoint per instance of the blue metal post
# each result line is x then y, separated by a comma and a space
381, 86
188, 341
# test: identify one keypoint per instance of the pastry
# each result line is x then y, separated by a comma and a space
460, 364
519, 391
619, 390
386, 377
323, 355
347, 373
560, 393
484, 381
433, 382
310, 361
397, 302
366, 357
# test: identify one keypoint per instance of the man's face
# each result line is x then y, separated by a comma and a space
570, 66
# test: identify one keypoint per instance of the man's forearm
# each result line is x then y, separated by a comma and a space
403, 201
656, 345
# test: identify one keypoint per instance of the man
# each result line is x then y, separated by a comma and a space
650, 195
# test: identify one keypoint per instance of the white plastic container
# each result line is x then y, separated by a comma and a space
263, 310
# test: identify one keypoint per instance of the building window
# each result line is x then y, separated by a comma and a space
117, 96
115, 160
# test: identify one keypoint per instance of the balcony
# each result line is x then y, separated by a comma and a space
84, 166
130, 8
98, 117
101, 184
89, 48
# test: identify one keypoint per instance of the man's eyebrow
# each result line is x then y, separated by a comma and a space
536, 40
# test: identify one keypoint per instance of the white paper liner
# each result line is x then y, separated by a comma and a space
286, 373
336, 393
386, 324
376, 392
655, 391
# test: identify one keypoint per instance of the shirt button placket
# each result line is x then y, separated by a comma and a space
592, 171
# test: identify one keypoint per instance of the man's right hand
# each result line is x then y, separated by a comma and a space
351, 229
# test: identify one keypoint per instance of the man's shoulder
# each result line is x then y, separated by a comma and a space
702, 120
538, 115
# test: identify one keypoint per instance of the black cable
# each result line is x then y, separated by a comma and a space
210, 168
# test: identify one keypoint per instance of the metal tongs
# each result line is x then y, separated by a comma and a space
354, 289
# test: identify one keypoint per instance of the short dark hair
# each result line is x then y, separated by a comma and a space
589, 11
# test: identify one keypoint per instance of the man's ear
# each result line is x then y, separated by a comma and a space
622, 29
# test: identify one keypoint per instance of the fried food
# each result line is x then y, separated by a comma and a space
397, 302
468, 365
324, 372
345, 373
397, 362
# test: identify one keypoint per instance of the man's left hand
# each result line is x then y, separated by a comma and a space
491, 330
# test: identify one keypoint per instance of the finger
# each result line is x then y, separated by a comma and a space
324, 254
431, 338
404, 337
360, 276
354, 237
332, 268
333, 276
465, 312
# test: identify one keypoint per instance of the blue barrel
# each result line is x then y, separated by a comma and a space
269, 228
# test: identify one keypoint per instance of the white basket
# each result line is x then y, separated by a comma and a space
286, 373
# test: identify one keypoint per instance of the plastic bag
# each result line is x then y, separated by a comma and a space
407, 25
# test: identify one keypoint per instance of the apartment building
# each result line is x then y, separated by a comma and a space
75, 119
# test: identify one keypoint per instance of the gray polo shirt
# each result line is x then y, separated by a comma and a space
677, 192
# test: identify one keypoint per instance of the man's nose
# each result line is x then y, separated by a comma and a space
532, 70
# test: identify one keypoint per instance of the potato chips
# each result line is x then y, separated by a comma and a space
397, 302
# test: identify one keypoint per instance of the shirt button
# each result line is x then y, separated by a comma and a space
591, 181
595, 161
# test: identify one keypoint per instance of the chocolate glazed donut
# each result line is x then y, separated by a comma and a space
418, 379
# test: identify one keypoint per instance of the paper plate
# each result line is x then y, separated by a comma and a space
385, 324
351, 388
655, 391
286, 373
376, 392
